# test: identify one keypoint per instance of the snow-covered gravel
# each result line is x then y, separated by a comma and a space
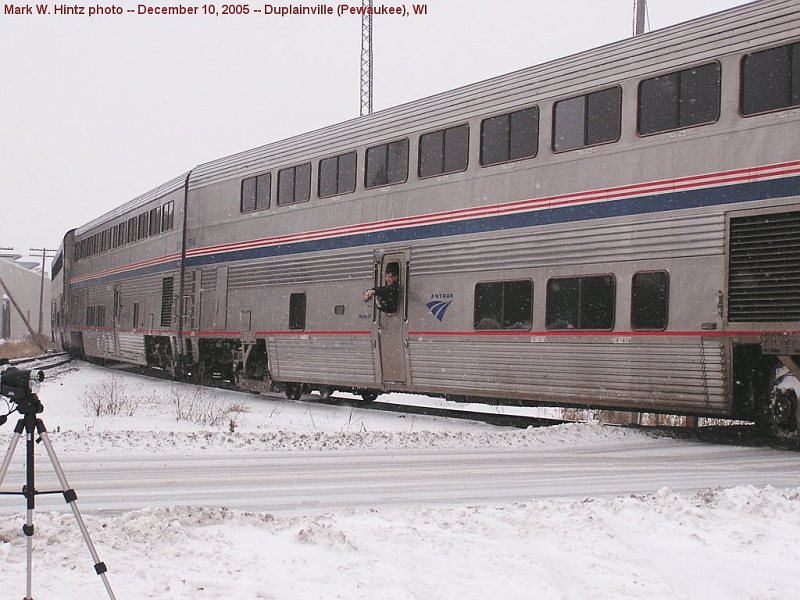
736, 543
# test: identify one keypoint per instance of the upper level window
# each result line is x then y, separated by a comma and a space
155, 220
503, 305
587, 120
256, 193
386, 164
771, 79
132, 226
510, 137
581, 302
444, 151
122, 233
681, 99
337, 175
144, 225
168, 216
294, 184
649, 300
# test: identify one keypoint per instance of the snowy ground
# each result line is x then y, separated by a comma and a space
736, 543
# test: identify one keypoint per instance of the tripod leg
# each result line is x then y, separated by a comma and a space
71, 497
11, 448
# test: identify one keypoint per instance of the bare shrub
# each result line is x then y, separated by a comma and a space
109, 397
19, 349
202, 406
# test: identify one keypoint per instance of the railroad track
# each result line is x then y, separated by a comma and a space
42, 362
518, 421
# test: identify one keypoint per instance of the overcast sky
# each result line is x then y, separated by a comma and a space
95, 110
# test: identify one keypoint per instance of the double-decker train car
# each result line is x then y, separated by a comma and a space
616, 229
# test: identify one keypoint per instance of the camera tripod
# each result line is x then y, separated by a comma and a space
29, 406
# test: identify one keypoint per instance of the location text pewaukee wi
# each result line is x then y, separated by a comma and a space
99, 9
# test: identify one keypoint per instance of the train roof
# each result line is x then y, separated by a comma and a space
747, 27
742, 28
133, 205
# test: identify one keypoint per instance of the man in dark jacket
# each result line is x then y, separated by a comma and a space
387, 296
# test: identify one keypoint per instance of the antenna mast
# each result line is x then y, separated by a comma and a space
366, 57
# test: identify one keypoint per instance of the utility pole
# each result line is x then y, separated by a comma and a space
366, 58
46, 253
640, 7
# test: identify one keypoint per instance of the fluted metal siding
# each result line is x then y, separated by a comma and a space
305, 268
672, 237
673, 375
131, 347
309, 359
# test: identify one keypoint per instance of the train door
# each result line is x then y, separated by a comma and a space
116, 314
212, 298
390, 327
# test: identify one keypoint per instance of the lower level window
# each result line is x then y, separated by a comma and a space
649, 300
581, 302
503, 305
297, 311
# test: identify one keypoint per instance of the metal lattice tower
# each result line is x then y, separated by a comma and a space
640, 10
366, 58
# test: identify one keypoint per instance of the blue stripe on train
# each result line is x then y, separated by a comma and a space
715, 196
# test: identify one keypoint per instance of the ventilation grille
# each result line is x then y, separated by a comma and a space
764, 269
166, 301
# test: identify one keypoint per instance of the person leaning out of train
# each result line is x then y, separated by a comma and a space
386, 296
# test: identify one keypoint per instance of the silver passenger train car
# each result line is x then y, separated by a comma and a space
619, 229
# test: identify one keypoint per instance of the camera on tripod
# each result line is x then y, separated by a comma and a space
17, 384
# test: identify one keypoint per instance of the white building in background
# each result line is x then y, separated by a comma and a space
25, 284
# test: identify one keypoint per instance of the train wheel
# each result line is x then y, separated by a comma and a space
780, 416
294, 391
369, 395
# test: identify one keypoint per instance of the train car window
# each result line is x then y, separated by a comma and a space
132, 222
155, 220
587, 120
135, 315
144, 225
770, 80
649, 300
386, 164
514, 136
444, 151
168, 216
680, 99
337, 175
297, 311
294, 184
503, 305
256, 193
114, 236
96, 315
581, 302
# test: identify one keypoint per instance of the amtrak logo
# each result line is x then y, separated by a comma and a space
439, 304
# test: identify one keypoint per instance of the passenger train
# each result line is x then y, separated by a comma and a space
616, 229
